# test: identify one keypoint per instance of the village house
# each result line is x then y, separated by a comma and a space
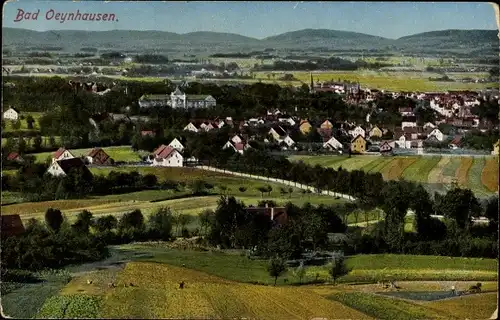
14, 156
358, 144
287, 141
177, 99
332, 144
288, 120
62, 154
358, 131
147, 133
429, 125
64, 166
406, 111
236, 147
496, 148
437, 133
11, 114
305, 127
326, 125
375, 132
278, 133
190, 127
278, 215
98, 156
236, 139
166, 156
177, 145
11, 225
385, 148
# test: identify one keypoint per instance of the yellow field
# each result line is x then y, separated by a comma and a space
489, 176
463, 171
395, 168
436, 174
210, 297
474, 306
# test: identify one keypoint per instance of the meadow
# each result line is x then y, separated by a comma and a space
384, 80
436, 173
225, 285
118, 153
24, 125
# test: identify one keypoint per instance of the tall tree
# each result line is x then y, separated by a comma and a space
276, 268
460, 205
54, 219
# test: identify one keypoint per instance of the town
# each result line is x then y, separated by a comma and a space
155, 174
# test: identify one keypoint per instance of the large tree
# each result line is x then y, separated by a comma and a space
460, 205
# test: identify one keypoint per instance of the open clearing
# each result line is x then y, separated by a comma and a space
222, 285
434, 172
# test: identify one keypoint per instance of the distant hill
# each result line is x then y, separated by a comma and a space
452, 40
327, 38
211, 42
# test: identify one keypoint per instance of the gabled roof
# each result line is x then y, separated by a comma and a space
13, 156
279, 130
59, 152
13, 108
164, 152
95, 151
304, 121
69, 164
358, 136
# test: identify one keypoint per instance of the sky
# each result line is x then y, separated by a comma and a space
257, 19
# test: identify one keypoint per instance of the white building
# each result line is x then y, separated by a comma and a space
332, 143
191, 127
288, 141
436, 133
358, 131
177, 145
177, 99
62, 167
62, 154
167, 156
11, 114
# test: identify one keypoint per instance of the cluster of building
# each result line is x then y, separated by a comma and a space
177, 99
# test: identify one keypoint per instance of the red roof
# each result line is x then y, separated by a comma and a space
13, 156
94, 151
59, 153
239, 146
163, 151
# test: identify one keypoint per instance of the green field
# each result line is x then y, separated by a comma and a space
434, 172
223, 284
119, 153
24, 125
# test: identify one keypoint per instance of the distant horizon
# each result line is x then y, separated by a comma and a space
191, 32
258, 20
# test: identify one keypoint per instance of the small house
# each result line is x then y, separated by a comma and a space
278, 133
64, 166
375, 132
98, 156
62, 154
358, 131
177, 145
332, 144
14, 156
11, 114
358, 144
437, 133
166, 156
305, 127
496, 148
190, 127
385, 148
326, 125
278, 215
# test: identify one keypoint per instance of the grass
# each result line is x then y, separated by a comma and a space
396, 167
11, 197
476, 306
474, 177
71, 307
28, 298
462, 171
392, 81
386, 308
489, 176
419, 170
24, 125
119, 153
207, 296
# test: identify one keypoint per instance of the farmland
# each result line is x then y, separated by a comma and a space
480, 174
394, 81
180, 201
222, 284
